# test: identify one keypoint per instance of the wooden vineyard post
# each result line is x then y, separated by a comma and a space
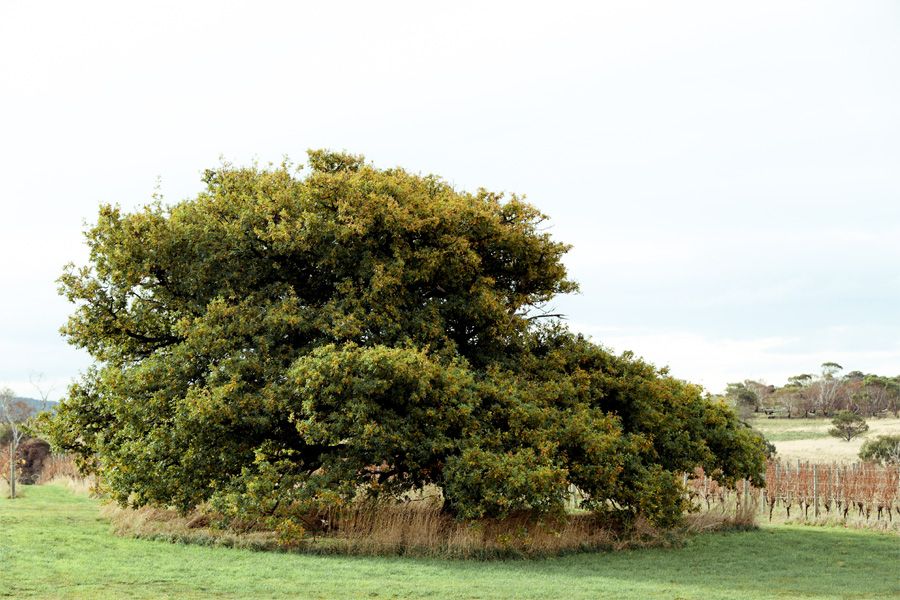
836, 486
832, 486
788, 492
706, 489
815, 492
842, 481
12, 469
771, 490
776, 489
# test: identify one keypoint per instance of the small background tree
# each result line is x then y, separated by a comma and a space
43, 390
884, 449
848, 425
13, 412
743, 397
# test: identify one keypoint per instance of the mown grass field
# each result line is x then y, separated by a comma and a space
54, 544
808, 439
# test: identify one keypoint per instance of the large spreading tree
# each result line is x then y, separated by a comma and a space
285, 339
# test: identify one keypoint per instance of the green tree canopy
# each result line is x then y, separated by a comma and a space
284, 339
744, 397
848, 425
883, 449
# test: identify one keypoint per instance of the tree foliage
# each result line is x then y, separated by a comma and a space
14, 412
282, 340
744, 397
883, 449
848, 425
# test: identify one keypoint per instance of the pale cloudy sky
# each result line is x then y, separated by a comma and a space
729, 173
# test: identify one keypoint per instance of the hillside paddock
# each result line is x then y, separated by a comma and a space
808, 439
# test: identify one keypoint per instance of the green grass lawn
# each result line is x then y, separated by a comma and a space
790, 436
53, 544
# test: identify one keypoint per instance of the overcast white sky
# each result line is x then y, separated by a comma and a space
729, 173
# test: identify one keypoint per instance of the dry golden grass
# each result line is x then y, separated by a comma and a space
59, 466
4, 471
821, 450
730, 516
168, 525
83, 486
421, 529
61, 469
417, 529
812, 441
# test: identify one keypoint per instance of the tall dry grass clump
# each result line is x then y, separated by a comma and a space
422, 529
419, 527
4, 471
390, 528
61, 469
728, 515
717, 507
58, 466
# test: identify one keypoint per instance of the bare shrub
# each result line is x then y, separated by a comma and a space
5, 489
61, 469
59, 466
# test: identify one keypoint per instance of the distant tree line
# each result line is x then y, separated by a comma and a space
819, 395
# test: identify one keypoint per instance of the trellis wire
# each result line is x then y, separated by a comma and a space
861, 490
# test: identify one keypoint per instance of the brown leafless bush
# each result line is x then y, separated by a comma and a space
59, 466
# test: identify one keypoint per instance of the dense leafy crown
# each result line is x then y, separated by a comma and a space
282, 340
